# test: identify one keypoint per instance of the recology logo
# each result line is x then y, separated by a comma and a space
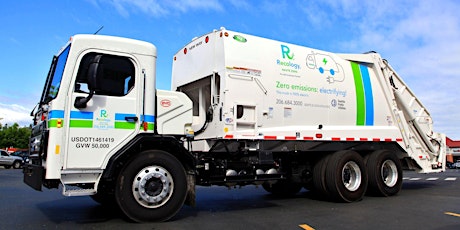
288, 58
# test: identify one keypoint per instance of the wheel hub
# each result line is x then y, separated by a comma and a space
351, 176
389, 173
152, 186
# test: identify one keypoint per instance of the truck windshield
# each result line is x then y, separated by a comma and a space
54, 76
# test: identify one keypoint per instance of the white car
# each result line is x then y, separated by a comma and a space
456, 165
6, 160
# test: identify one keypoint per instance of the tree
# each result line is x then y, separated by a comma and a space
14, 136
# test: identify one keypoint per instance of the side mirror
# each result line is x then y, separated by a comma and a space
81, 102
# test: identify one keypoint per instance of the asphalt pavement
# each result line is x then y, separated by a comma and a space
427, 201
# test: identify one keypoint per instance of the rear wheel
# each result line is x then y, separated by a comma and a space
319, 176
152, 187
346, 176
385, 173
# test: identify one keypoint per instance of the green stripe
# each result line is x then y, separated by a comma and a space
360, 103
81, 123
125, 125
52, 123
150, 126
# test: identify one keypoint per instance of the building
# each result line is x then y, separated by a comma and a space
453, 150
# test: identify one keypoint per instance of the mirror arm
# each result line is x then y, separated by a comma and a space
81, 102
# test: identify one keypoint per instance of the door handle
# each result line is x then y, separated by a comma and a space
131, 119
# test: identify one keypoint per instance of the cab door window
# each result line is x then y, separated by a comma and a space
115, 75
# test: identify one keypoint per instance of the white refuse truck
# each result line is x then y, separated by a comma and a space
243, 110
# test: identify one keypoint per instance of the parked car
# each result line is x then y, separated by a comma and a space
21, 153
8, 161
456, 165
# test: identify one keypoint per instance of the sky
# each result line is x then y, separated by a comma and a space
419, 38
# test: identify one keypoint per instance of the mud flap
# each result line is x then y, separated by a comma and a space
33, 176
191, 194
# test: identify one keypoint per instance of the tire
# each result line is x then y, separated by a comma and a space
282, 188
319, 177
385, 173
17, 164
346, 176
152, 187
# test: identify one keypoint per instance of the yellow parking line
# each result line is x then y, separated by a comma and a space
306, 227
452, 214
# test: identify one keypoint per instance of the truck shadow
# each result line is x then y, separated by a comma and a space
418, 185
83, 210
209, 201
78, 210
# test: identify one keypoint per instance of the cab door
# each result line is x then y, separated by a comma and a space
110, 117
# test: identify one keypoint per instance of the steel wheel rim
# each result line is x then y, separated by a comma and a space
389, 173
351, 176
152, 186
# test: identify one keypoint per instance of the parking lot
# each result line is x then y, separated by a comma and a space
427, 201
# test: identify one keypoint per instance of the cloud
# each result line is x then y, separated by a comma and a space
13, 113
162, 8
15, 41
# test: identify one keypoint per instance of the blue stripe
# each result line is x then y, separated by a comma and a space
369, 99
121, 116
148, 118
56, 114
81, 115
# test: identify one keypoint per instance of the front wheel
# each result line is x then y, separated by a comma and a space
152, 187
